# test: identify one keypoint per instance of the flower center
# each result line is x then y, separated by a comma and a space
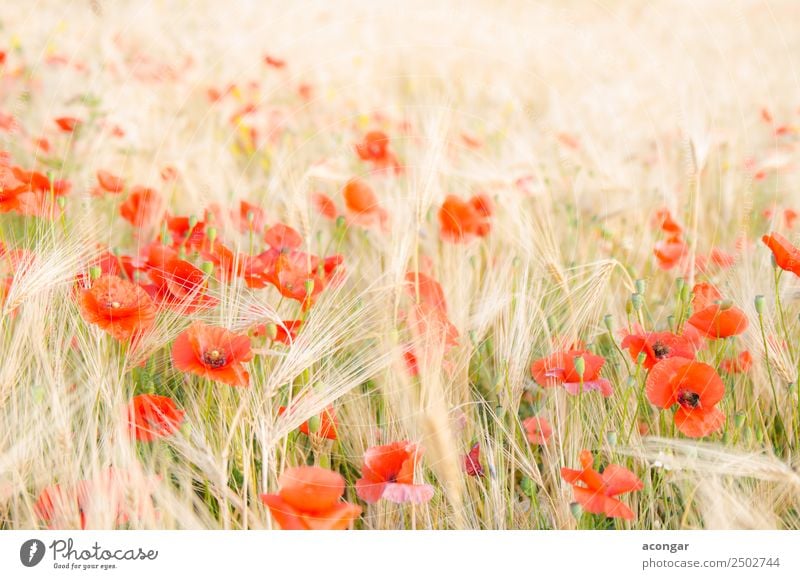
660, 350
690, 399
214, 359
113, 304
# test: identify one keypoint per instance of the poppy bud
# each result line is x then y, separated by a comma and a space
527, 486
207, 267
630, 382
211, 232
62, 202
314, 424
608, 320
182, 252
739, 419
637, 301
192, 221
725, 304
473, 337
309, 286
576, 509
580, 365
95, 272
641, 358
726, 437
641, 285
251, 217
759, 303
325, 461
272, 331
628, 307
186, 427
611, 437
499, 411
686, 292
671, 323
340, 222
792, 387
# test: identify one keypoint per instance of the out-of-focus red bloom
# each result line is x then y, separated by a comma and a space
374, 148
741, 364
109, 182
141, 207
597, 493
151, 417
250, 217
388, 473
537, 429
670, 252
559, 370
67, 124
117, 306
463, 220
657, 346
324, 205
789, 215
282, 237
309, 498
112, 497
362, 204
472, 461
429, 313
787, 256
274, 62
717, 258
664, 221
713, 316
214, 353
327, 424
695, 387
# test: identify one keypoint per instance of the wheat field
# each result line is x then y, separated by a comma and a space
439, 196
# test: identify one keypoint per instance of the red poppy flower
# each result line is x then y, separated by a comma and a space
327, 424
388, 473
663, 220
559, 369
537, 429
324, 205
214, 353
670, 252
695, 387
787, 256
67, 124
274, 62
117, 306
179, 285
738, 365
713, 316
462, 220
657, 346
141, 207
429, 313
597, 493
374, 148
309, 498
151, 417
112, 496
282, 237
362, 204
249, 217
472, 461
109, 182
